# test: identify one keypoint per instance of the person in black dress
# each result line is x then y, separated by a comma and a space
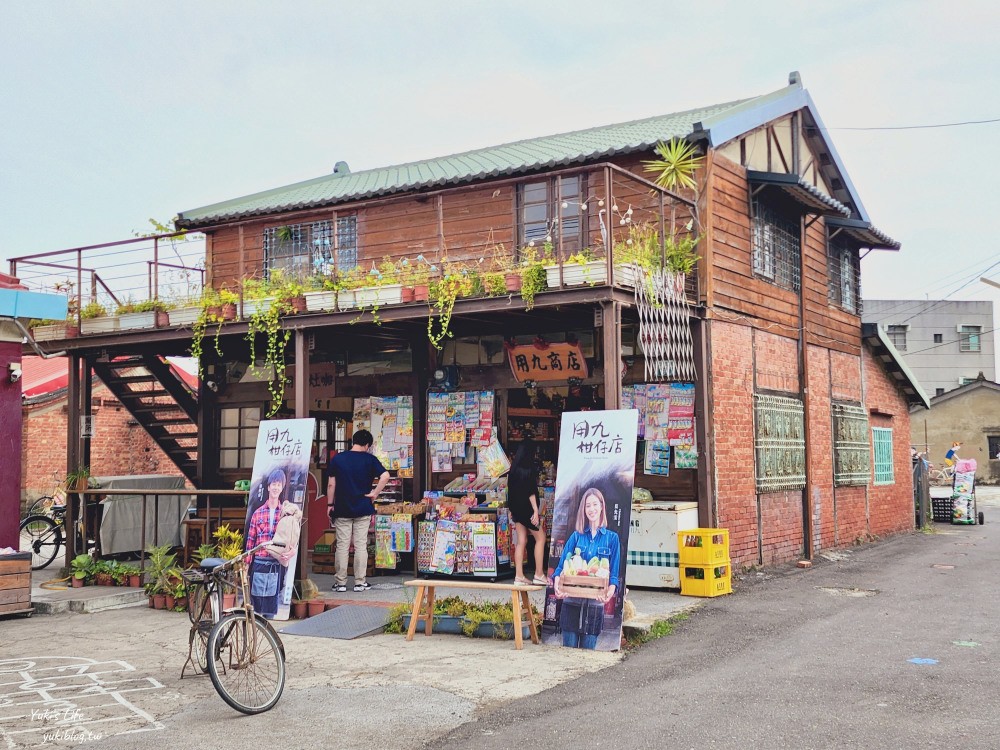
525, 508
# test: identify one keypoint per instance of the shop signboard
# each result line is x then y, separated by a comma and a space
277, 488
543, 361
593, 498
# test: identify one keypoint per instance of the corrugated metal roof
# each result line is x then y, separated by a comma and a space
507, 159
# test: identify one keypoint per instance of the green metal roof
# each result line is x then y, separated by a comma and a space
497, 161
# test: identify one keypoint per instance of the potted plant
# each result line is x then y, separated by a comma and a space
580, 268
161, 567
381, 287
494, 284
132, 575
229, 544
95, 319
82, 567
179, 595
150, 313
55, 330
289, 293
299, 609
315, 607
321, 292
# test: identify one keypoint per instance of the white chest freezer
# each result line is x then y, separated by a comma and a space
652, 543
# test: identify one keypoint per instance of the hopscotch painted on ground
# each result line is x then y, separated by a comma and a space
53, 700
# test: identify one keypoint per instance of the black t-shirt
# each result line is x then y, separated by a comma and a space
354, 472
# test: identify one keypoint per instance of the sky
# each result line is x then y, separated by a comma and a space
116, 112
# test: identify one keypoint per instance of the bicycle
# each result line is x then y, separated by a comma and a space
43, 505
247, 664
942, 475
43, 536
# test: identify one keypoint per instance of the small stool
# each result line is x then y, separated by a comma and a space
194, 535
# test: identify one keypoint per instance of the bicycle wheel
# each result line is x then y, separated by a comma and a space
248, 670
42, 537
40, 507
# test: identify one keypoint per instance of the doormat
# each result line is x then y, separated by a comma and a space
345, 622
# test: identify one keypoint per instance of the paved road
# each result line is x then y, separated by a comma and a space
819, 658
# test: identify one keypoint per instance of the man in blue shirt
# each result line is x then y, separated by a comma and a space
349, 501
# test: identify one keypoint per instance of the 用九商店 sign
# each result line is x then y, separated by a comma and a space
537, 362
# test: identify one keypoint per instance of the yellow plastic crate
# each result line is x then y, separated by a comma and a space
703, 546
706, 580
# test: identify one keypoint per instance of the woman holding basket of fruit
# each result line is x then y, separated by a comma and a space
587, 575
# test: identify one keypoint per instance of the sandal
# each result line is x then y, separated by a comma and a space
539, 581
522, 581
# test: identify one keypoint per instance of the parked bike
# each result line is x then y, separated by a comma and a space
44, 535
247, 662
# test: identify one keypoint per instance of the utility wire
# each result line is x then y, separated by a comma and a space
924, 127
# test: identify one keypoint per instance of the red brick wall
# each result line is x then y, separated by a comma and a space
732, 412
777, 362
117, 448
820, 436
890, 507
845, 380
781, 526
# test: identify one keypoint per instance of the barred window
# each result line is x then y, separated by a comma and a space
851, 452
969, 338
844, 271
882, 448
897, 335
301, 250
779, 443
776, 244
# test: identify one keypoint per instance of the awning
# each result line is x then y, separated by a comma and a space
876, 338
864, 233
800, 191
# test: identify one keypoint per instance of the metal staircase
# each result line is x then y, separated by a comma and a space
161, 402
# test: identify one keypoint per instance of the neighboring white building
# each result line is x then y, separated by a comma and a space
944, 343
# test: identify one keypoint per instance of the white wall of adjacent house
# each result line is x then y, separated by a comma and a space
945, 343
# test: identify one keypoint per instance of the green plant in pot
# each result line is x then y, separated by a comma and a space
229, 544
93, 309
161, 568
82, 567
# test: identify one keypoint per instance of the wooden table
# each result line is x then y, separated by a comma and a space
518, 594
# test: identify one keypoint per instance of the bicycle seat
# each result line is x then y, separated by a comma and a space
211, 563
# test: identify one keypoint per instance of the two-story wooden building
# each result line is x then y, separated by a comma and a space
801, 427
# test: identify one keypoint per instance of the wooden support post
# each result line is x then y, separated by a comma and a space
612, 348
72, 449
301, 386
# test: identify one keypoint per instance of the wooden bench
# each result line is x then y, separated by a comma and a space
518, 594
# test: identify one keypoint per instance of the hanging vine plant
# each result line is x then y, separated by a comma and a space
443, 293
265, 321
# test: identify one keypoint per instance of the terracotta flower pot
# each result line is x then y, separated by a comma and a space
162, 319
159, 601
72, 331
135, 580
181, 602
299, 610
229, 600
229, 311
78, 583
214, 312
421, 293
329, 605
170, 601
407, 294
315, 607
513, 282
298, 304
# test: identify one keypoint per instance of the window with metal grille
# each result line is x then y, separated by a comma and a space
938, 338
301, 250
993, 446
968, 338
779, 443
776, 243
844, 271
882, 448
897, 335
238, 436
544, 205
851, 452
